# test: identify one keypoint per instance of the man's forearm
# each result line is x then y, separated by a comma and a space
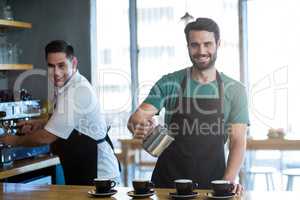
234, 162
37, 138
43, 121
237, 149
26, 141
30, 140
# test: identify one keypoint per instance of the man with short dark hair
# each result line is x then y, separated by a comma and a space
77, 128
203, 108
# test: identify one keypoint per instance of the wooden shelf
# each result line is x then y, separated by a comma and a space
11, 24
14, 24
16, 66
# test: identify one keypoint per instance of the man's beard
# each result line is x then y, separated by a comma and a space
209, 65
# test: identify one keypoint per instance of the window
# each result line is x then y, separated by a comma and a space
113, 65
273, 43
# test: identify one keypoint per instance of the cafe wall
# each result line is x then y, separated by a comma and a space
55, 19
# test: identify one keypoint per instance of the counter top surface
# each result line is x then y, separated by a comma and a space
11, 191
28, 165
273, 144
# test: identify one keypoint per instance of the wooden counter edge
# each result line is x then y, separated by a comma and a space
28, 165
273, 144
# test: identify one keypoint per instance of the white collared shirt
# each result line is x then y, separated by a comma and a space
77, 107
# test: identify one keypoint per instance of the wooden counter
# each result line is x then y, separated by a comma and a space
273, 144
11, 191
28, 165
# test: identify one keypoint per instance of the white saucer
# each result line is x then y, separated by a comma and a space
174, 195
227, 197
106, 194
137, 196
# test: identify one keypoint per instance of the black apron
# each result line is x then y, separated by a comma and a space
198, 150
78, 156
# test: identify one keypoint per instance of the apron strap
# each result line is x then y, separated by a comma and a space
221, 92
221, 98
108, 140
184, 83
181, 90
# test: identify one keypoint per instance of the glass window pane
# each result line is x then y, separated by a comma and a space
113, 70
273, 41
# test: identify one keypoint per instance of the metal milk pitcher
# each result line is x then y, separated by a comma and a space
158, 140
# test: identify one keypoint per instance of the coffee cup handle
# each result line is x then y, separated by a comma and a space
113, 184
195, 185
232, 187
151, 185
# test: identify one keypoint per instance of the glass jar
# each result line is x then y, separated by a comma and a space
7, 12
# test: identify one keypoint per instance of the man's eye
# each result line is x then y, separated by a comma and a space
208, 44
194, 45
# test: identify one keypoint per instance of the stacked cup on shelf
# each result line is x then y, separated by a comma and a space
9, 53
6, 11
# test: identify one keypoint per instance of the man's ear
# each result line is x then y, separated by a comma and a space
74, 63
219, 43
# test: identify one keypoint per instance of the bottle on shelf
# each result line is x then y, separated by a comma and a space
7, 11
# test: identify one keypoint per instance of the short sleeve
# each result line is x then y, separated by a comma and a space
239, 106
62, 121
157, 94
89, 116
60, 124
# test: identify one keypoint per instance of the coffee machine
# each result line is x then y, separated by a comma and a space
10, 114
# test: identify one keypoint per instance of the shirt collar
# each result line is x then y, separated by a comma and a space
68, 83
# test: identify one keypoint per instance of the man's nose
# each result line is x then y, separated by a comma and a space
202, 49
56, 71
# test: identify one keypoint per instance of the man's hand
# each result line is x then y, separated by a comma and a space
141, 122
238, 189
142, 130
30, 126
